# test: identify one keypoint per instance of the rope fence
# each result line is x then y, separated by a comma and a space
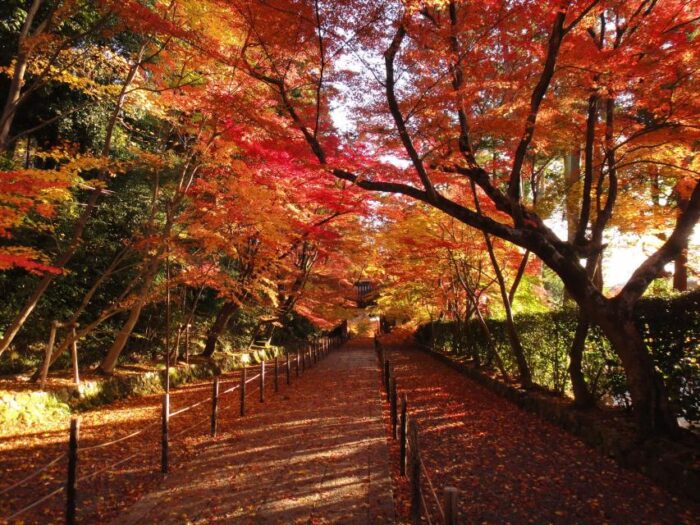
411, 464
304, 359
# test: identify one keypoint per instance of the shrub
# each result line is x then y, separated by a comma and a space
670, 327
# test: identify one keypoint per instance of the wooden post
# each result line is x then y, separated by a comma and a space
402, 436
214, 406
298, 359
450, 505
262, 381
414, 469
49, 352
394, 408
289, 370
187, 343
74, 355
243, 378
303, 362
277, 375
387, 377
72, 483
164, 464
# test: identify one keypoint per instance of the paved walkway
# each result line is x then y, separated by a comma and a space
313, 453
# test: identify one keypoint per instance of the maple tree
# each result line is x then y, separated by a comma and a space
478, 77
272, 131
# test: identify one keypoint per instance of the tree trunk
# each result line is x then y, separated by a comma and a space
652, 410
110, 360
10, 109
582, 395
493, 353
515, 344
572, 210
79, 227
680, 271
220, 324
513, 338
21, 62
48, 278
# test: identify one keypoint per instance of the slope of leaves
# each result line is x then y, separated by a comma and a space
511, 466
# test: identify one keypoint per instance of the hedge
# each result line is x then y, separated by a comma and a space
671, 330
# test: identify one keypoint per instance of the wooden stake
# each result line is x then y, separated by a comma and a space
72, 483
387, 377
164, 460
49, 352
243, 378
214, 406
74, 356
402, 436
262, 381
450, 505
394, 408
414, 469
289, 370
277, 375
187, 343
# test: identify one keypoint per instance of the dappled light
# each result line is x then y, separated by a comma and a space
349, 261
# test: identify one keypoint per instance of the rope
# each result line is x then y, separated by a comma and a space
119, 440
198, 423
427, 513
113, 442
40, 500
229, 390
33, 474
252, 378
109, 467
432, 488
183, 410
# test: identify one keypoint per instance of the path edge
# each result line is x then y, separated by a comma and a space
672, 465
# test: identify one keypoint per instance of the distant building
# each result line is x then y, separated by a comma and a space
366, 293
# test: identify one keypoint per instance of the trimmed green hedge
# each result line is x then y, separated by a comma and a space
671, 329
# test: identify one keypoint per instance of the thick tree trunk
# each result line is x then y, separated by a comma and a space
680, 271
651, 407
220, 324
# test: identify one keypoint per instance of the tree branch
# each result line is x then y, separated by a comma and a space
650, 269
535, 102
389, 57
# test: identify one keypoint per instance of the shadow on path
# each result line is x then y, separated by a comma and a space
315, 452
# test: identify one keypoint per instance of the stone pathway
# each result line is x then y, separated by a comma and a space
315, 452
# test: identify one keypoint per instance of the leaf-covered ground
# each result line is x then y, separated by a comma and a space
102, 497
512, 467
313, 452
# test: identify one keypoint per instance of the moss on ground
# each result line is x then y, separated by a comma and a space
23, 409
